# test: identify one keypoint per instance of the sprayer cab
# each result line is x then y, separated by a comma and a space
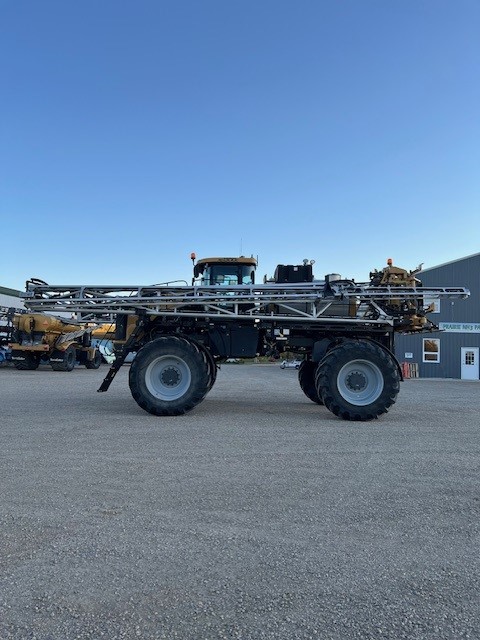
224, 271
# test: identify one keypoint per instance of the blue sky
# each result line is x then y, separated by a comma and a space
132, 133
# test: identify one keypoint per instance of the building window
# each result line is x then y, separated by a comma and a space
431, 350
432, 301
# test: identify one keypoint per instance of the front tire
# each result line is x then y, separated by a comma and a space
96, 362
358, 380
64, 361
169, 376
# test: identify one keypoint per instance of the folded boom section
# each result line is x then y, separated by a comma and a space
311, 302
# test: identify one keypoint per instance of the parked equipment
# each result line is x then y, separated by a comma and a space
6, 330
343, 330
39, 337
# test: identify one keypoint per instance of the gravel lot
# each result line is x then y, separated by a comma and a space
258, 515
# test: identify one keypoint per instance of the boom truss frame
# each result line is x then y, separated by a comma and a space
313, 303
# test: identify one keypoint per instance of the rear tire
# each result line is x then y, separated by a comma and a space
306, 378
30, 363
169, 376
358, 380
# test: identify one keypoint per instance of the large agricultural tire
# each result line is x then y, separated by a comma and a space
65, 363
358, 380
96, 362
306, 378
30, 363
169, 376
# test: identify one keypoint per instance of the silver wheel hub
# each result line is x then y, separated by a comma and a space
171, 376
356, 381
168, 378
360, 382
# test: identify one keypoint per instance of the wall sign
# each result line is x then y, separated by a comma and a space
460, 327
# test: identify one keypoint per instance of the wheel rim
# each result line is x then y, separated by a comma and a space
168, 378
360, 382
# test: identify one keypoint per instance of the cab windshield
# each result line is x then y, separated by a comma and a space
228, 275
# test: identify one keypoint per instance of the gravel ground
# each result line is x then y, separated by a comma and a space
259, 515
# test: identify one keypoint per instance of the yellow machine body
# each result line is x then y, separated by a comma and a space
31, 322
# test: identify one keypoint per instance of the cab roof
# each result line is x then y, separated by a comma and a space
241, 260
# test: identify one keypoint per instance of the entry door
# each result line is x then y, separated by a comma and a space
469, 363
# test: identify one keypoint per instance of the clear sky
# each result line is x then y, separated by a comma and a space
134, 132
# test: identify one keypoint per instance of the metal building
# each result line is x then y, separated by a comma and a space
454, 351
11, 298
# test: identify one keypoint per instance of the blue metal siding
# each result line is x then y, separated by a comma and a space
460, 273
